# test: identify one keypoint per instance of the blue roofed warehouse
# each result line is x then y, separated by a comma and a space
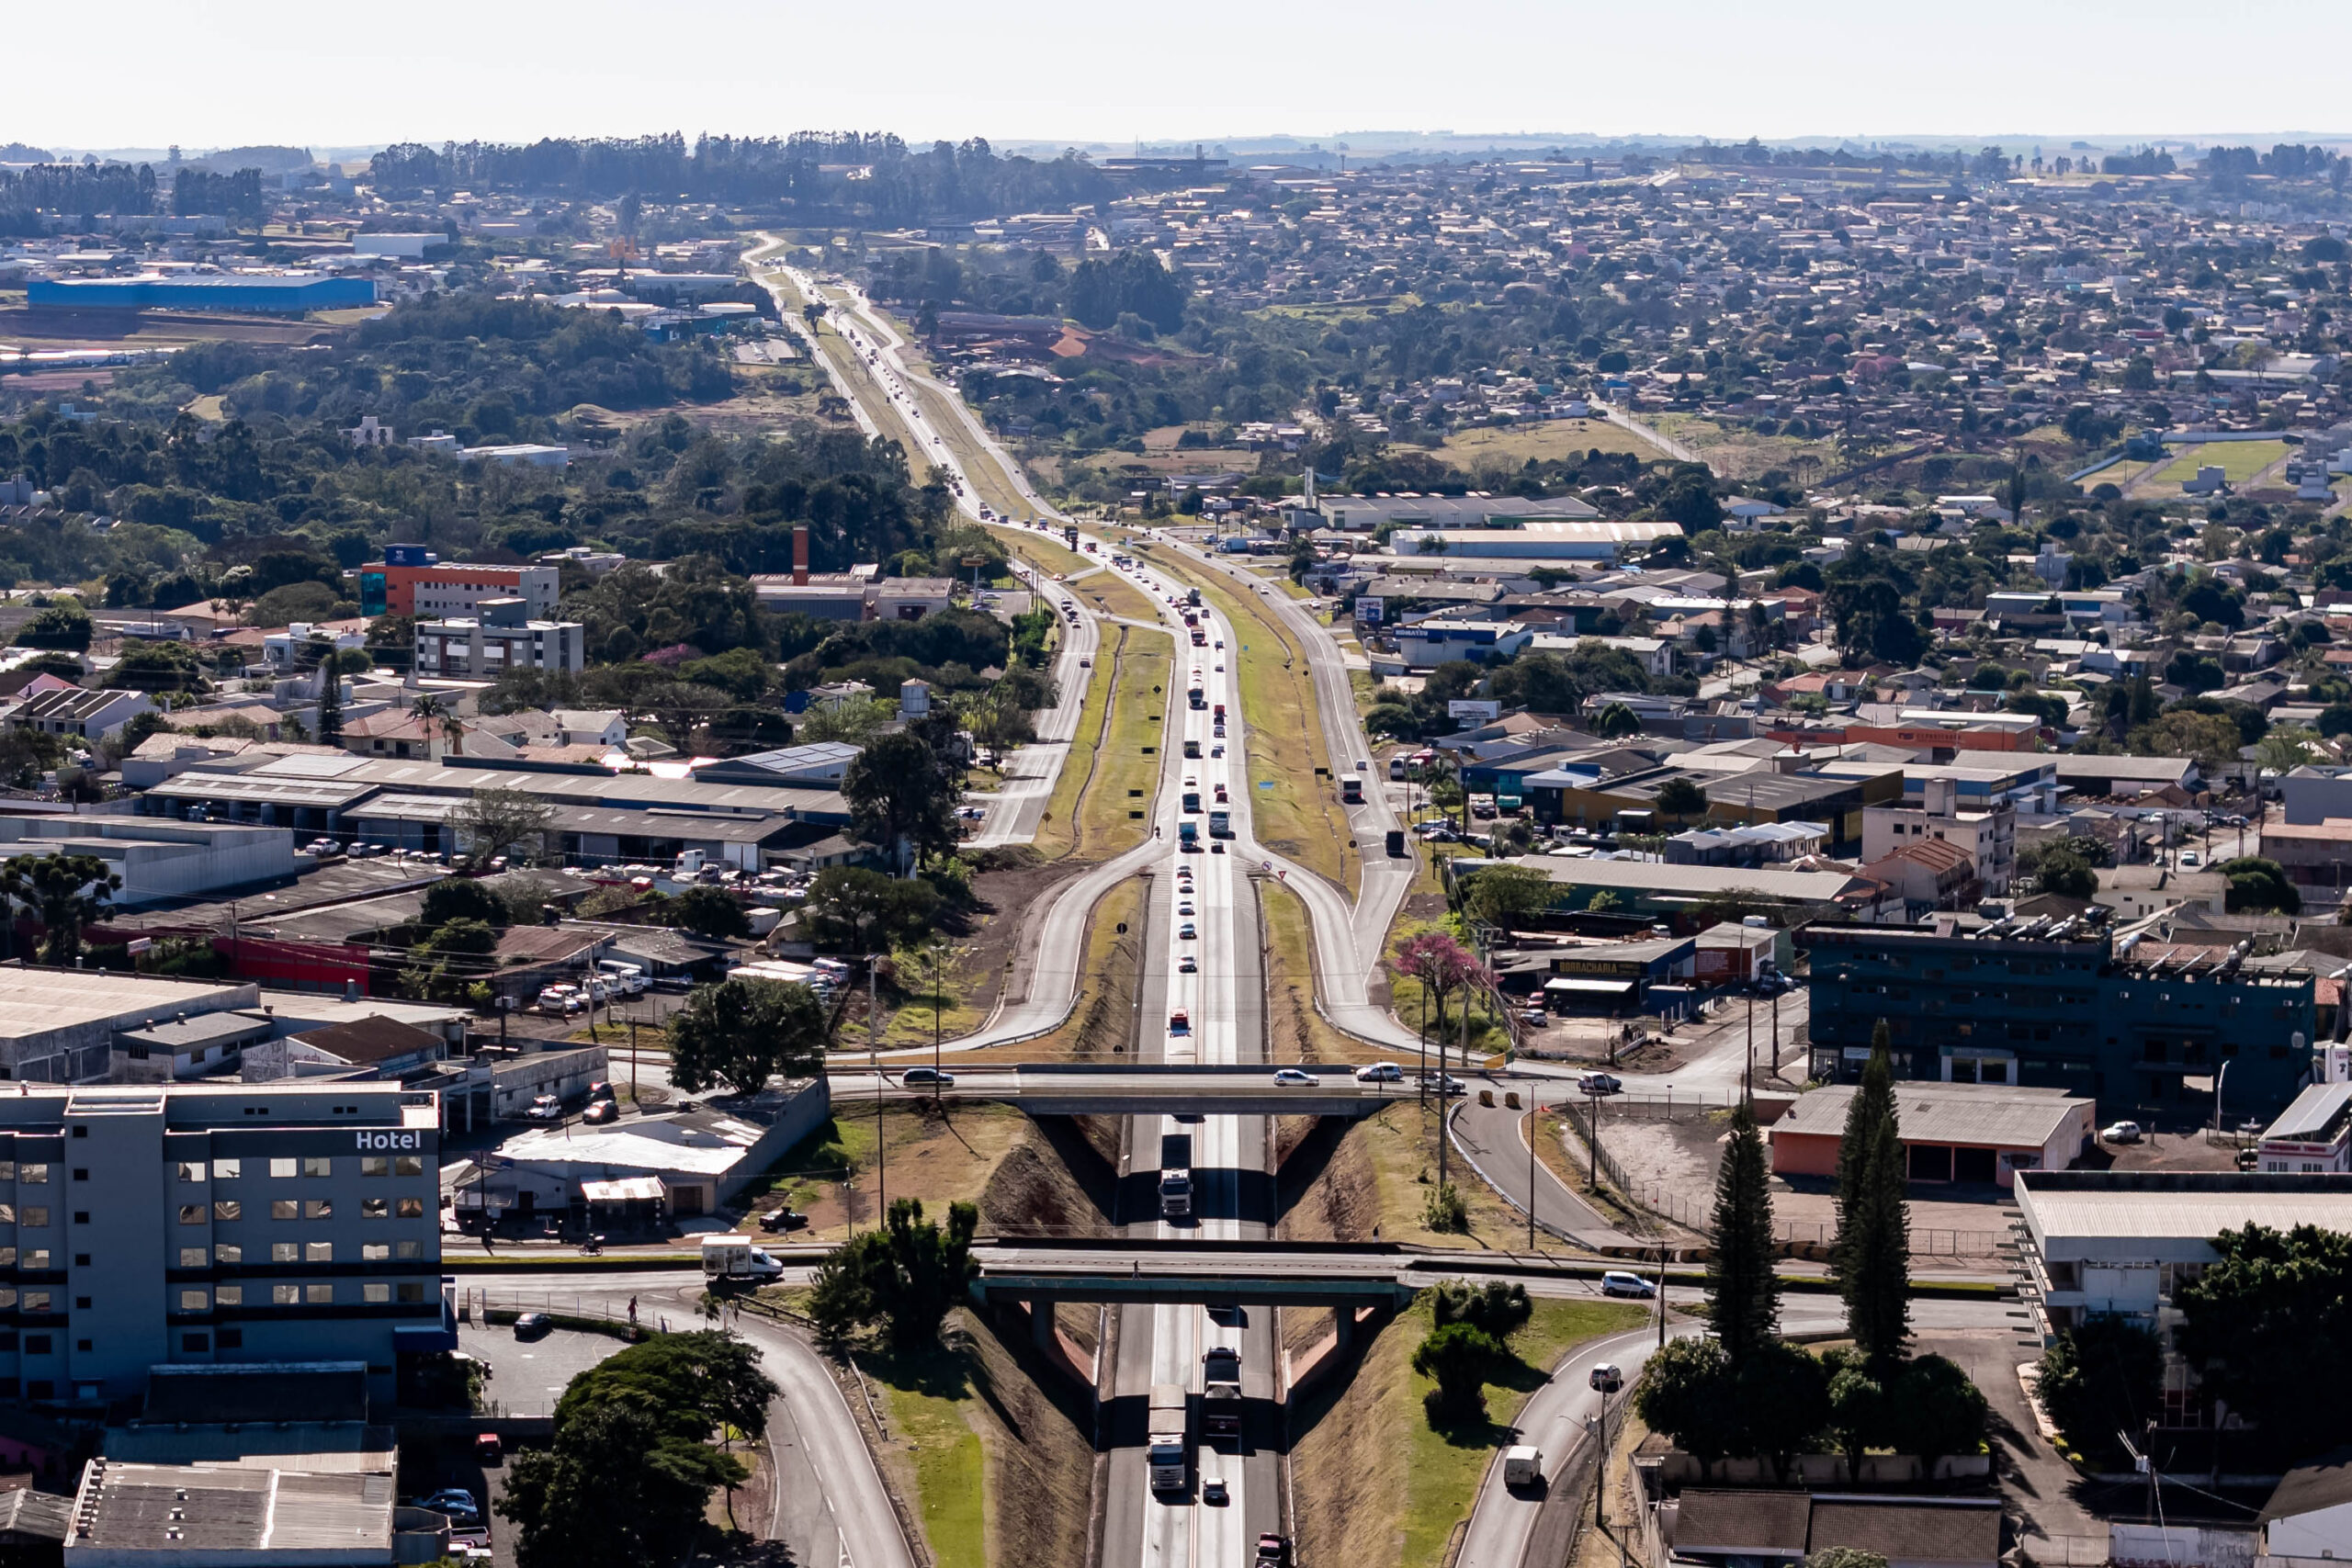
274, 295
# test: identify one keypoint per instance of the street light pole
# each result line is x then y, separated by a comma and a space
1534, 1130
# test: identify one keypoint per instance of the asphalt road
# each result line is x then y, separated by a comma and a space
1203, 948
1494, 1139
832, 1499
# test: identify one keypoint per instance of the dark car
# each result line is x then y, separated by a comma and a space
532, 1324
782, 1220
600, 1111
1273, 1551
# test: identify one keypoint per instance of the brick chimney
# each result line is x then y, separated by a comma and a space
800, 558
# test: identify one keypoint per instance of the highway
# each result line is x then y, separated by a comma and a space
1202, 945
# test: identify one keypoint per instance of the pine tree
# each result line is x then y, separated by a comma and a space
1742, 1291
1872, 1255
1873, 1103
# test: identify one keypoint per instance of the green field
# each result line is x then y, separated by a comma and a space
2239, 461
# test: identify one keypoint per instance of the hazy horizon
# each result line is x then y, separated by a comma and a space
1059, 73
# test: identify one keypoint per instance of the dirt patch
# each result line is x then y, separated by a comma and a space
1325, 1187
1000, 899
1052, 1182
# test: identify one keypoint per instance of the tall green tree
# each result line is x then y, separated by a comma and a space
631, 1466
902, 798
741, 1032
2268, 1329
900, 1280
1872, 1256
64, 894
1742, 1291
1459, 1357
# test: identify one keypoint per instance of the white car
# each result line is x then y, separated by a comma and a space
565, 1000
1380, 1072
1291, 1077
2121, 1133
1618, 1283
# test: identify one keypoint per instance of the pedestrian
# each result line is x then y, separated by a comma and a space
632, 1312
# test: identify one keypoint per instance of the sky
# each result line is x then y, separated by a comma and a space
210, 73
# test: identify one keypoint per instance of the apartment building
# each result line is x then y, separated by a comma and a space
214, 1225
499, 637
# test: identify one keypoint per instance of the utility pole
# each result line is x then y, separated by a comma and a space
1751, 1050
874, 1060
1661, 1294
1600, 1468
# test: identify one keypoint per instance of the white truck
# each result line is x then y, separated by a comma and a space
1522, 1467
1169, 1438
1175, 1175
738, 1258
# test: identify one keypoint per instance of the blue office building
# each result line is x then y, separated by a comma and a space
277, 295
2065, 1004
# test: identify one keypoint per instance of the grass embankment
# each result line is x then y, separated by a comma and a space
1379, 1484
1114, 804
990, 1446
1300, 817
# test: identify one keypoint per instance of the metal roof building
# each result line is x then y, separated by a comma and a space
281, 295
1951, 1131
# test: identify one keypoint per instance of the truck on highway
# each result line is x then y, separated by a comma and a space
1175, 1175
1188, 837
1169, 1438
734, 1257
1220, 1393
1220, 824
1192, 597
1069, 535
1192, 748
1198, 698
1191, 803
1351, 791
1219, 714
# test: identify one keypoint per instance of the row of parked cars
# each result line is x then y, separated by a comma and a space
610, 981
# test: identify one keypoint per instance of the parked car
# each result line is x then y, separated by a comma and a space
546, 1107
532, 1324
600, 1113
786, 1219
563, 1000
2120, 1132
1619, 1282
454, 1501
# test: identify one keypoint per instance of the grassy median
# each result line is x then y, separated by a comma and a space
1112, 807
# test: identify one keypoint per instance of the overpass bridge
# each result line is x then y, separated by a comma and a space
1065, 1088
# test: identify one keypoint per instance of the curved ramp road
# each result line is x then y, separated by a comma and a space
812, 1435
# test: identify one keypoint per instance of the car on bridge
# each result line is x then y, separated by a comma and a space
1291, 1077
929, 1076
1180, 1023
1380, 1072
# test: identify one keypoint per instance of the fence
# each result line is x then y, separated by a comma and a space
1697, 1215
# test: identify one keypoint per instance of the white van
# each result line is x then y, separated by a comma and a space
628, 979
1522, 1467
